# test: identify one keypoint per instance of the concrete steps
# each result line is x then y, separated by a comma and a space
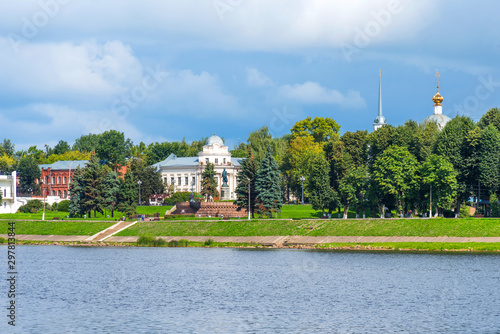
103, 235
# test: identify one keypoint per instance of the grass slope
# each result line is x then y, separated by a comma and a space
377, 227
56, 227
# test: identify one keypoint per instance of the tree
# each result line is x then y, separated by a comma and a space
393, 171
355, 145
7, 148
321, 194
352, 188
87, 143
94, 177
246, 175
29, 172
61, 147
259, 141
76, 188
378, 141
489, 156
495, 206
492, 117
127, 195
67, 156
267, 185
111, 189
7, 164
113, 148
321, 129
150, 177
439, 173
208, 182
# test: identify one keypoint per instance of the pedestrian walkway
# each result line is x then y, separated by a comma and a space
104, 234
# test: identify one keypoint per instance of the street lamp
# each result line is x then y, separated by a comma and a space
139, 183
248, 198
30, 191
302, 179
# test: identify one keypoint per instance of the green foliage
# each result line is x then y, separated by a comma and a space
321, 129
492, 117
378, 141
394, 171
113, 148
248, 174
178, 243
208, 182
87, 143
61, 147
94, 178
29, 172
180, 196
438, 172
149, 176
32, 206
321, 195
352, 188
464, 211
494, 205
76, 187
128, 194
267, 185
63, 206
146, 240
209, 242
355, 144
489, 156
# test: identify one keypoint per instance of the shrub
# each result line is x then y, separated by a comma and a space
63, 206
495, 206
209, 242
32, 206
178, 243
180, 196
2, 240
464, 211
145, 240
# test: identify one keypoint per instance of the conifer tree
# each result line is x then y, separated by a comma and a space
208, 182
267, 185
76, 190
248, 173
128, 194
111, 189
94, 177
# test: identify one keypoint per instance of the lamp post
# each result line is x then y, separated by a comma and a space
139, 183
302, 179
30, 190
248, 198
43, 193
430, 200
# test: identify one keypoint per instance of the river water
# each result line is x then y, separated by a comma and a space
192, 290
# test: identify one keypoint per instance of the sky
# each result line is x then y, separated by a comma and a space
163, 70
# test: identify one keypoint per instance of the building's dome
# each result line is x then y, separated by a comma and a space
215, 140
437, 99
380, 120
440, 119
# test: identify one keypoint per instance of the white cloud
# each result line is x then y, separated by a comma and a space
255, 78
66, 70
314, 93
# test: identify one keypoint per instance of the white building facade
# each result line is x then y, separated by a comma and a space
8, 190
184, 174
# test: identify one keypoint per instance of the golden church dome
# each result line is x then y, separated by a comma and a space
437, 99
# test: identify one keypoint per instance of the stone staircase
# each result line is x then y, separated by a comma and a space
110, 231
212, 209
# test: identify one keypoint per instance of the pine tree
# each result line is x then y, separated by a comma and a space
111, 189
208, 182
76, 190
321, 195
128, 194
267, 185
94, 177
248, 173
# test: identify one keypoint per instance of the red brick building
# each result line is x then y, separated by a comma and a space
56, 177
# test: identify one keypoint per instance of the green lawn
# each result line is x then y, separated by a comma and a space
472, 227
65, 227
151, 210
61, 215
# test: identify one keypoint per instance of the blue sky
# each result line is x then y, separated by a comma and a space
168, 70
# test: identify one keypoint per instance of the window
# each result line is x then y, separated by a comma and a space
58, 180
187, 181
65, 194
64, 180
171, 180
216, 160
179, 181
224, 161
46, 180
59, 193
53, 192
206, 159
193, 180
5, 193
53, 180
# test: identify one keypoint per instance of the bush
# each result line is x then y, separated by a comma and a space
63, 206
464, 211
2, 240
32, 206
178, 243
180, 196
495, 206
209, 242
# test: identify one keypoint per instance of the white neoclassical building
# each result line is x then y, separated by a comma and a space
185, 173
8, 190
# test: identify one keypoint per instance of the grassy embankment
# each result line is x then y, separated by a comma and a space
65, 227
472, 227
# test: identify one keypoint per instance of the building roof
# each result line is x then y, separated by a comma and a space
440, 119
215, 139
65, 165
173, 160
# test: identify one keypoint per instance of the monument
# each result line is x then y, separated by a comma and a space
224, 190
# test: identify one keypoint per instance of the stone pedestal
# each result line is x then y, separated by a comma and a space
225, 193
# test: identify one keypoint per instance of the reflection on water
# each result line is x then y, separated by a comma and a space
179, 290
